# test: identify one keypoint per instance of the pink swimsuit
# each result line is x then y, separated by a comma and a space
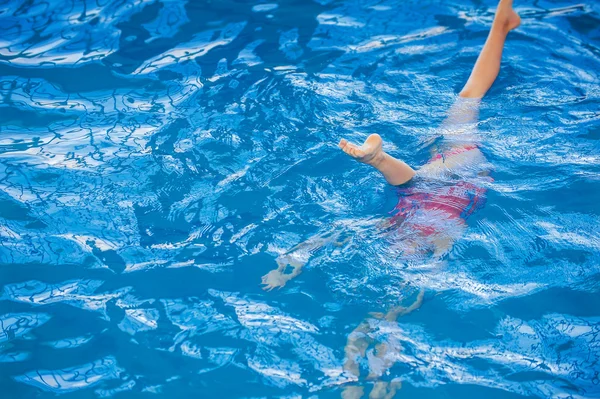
458, 200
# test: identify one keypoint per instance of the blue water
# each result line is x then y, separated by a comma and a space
156, 157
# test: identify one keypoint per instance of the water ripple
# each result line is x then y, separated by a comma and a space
157, 158
73, 378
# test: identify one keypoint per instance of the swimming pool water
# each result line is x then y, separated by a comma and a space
156, 157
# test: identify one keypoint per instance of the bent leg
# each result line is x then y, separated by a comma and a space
394, 170
464, 111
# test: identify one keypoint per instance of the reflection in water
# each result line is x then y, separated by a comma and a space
199, 45
155, 158
69, 343
137, 320
78, 293
51, 33
385, 352
531, 351
74, 378
270, 328
16, 325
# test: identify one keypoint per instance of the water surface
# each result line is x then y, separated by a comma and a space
157, 157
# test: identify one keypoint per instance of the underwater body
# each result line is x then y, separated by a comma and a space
157, 158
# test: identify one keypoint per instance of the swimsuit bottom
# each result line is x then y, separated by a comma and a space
452, 200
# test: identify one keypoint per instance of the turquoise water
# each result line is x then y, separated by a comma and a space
157, 157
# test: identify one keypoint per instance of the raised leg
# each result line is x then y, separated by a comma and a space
481, 79
487, 66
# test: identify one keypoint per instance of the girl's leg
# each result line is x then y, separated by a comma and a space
394, 170
483, 75
487, 66
465, 111
485, 71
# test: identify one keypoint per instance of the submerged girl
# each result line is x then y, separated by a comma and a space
435, 200
433, 213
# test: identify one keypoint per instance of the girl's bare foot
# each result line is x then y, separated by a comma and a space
506, 17
394, 170
370, 152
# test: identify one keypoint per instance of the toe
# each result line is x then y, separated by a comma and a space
358, 153
350, 149
347, 149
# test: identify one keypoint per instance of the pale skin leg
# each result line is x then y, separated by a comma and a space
385, 390
356, 347
397, 172
487, 66
358, 343
482, 77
